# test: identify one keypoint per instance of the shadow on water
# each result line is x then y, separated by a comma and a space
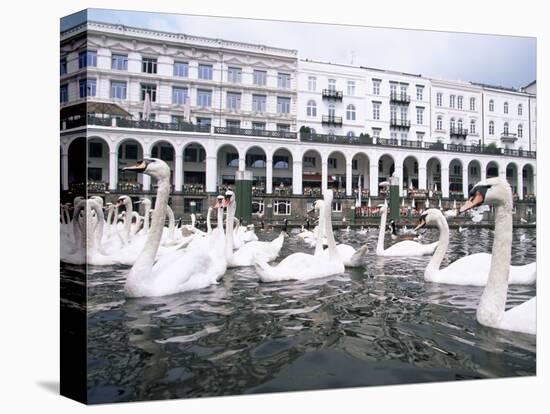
380, 324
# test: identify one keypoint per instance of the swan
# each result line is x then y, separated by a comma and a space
303, 266
192, 269
266, 251
402, 248
362, 230
491, 309
470, 270
404, 235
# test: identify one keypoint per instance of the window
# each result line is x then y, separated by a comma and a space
255, 160
351, 88
309, 162
452, 124
259, 77
234, 74
506, 128
258, 126
376, 110
439, 99
376, 132
459, 102
149, 89
119, 62
204, 98
191, 154
281, 207
204, 121
131, 151
232, 159
332, 84
95, 149
179, 95
451, 101
393, 112
181, 69
472, 104
439, 123
87, 58
177, 119
491, 128
403, 89
419, 116
87, 87
63, 66
331, 110
419, 137
520, 131
205, 71
259, 103
283, 127
393, 88
375, 87
233, 100
491, 105
311, 108
280, 162
283, 80
350, 134
520, 109
393, 136
354, 164
148, 65
505, 107
403, 113
419, 92
473, 170
336, 207
233, 123
94, 174
118, 90
333, 163
283, 105
472, 126
460, 124
312, 83
64, 93
350, 112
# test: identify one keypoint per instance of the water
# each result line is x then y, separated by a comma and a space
377, 325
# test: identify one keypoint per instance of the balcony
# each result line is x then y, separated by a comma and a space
336, 139
508, 138
400, 123
332, 94
459, 133
412, 144
255, 132
331, 120
387, 142
400, 98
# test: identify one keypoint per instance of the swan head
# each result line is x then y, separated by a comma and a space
219, 201
383, 208
151, 166
123, 201
430, 216
494, 191
228, 199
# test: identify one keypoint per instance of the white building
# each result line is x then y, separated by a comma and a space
219, 106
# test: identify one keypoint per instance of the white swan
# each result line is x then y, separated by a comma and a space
402, 248
303, 266
491, 309
470, 270
191, 269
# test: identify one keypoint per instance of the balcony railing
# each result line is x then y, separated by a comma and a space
333, 94
332, 120
400, 98
389, 142
336, 139
129, 187
411, 144
508, 137
255, 132
460, 133
400, 123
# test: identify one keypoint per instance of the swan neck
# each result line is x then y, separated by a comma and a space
320, 231
208, 222
146, 218
229, 229
333, 253
381, 232
441, 250
128, 219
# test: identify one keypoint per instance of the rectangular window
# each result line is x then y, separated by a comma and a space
63, 66
282, 207
131, 152
259, 77
232, 159
393, 88
87, 87
190, 154
119, 62
336, 207
204, 121
181, 69
283, 80
283, 105
283, 127
309, 162
234, 74
178, 119
64, 93
332, 84
94, 174
233, 100
95, 149
233, 123
280, 162
419, 116
166, 153
205, 71
354, 164
204, 98
452, 101
148, 65
376, 87
472, 104
403, 113
312, 83
87, 58
333, 163
459, 102
375, 110
419, 136
419, 93
351, 88
393, 112
149, 89
258, 103
439, 99
179, 95
118, 90
376, 133
258, 126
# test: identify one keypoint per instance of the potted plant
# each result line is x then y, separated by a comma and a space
365, 138
305, 131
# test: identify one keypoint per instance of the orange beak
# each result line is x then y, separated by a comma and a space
472, 202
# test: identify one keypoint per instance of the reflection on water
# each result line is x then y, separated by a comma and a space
381, 324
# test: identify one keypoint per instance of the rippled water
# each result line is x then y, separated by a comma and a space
381, 324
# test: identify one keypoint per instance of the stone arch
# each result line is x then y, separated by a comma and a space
255, 161
456, 167
194, 166
312, 160
411, 166
166, 151
129, 151
529, 185
283, 167
360, 166
228, 157
492, 169
512, 176
76, 171
433, 173
336, 170
474, 173
98, 163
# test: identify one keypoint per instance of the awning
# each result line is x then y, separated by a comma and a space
84, 108
315, 178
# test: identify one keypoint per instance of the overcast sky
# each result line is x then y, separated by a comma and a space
497, 60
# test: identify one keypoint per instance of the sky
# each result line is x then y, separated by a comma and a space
492, 59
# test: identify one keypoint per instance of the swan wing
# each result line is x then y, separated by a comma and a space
522, 318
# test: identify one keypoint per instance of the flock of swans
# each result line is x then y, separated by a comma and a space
170, 260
